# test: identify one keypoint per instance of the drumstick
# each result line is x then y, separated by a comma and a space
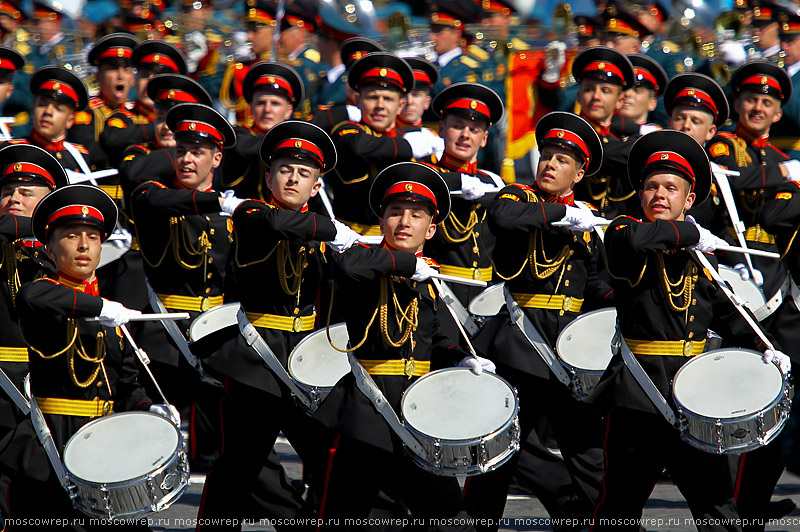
145, 360
460, 280
438, 286
156, 316
750, 251
598, 221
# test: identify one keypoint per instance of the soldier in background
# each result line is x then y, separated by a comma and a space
447, 23
640, 101
785, 134
299, 23
426, 75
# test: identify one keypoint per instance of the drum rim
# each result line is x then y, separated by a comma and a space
307, 339
218, 308
466, 440
121, 483
580, 317
492, 288
734, 273
684, 410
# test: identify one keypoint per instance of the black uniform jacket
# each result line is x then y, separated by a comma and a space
359, 273
780, 216
242, 169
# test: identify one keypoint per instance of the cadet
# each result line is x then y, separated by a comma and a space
640, 101
299, 23
448, 25
11, 81
426, 75
784, 134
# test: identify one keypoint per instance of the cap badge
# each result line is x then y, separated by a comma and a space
84, 210
156, 58
192, 125
409, 187
763, 80
298, 144
473, 104
664, 156
171, 94
271, 79
690, 92
383, 72
560, 134
56, 86
17, 167
120, 52
601, 66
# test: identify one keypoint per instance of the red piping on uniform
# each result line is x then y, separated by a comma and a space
194, 201
677, 233
543, 213
466, 485
331, 455
603, 481
738, 485
315, 227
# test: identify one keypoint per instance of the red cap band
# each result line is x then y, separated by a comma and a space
260, 16
443, 19
411, 187
274, 82
7, 8
355, 56
300, 144
697, 96
177, 95
495, 7
616, 25
604, 66
86, 212
383, 74
422, 77
562, 135
670, 158
61, 88
159, 59
7, 64
644, 75
468, 104
764, 80
29, 168
193, 126
121, 52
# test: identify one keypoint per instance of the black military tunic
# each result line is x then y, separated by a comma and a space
242, 170
125, 127
88, 126
56, 149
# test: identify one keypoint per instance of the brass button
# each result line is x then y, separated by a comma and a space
208, 219
99, 384
208, 290
208, 276
211, 260
211, 231
569, 267
691, 335
566, 283
694, 301
560, 312
691, 318
474, 264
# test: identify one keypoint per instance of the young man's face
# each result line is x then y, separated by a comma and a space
75, 248
768, 36
293, 182
757, 112
195, 163
445, 40
21, 198
291, 39
665, 196
462, 137
599, 100
380, 107
269, 109
164, 135
260, 37
417, 102
791, 47
625, 44
142, 77
637, 103
694, 122
115, 83
6, 86
52, 118
558, 171
406, 225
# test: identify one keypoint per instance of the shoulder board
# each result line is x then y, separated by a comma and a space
477, 52
312, 55
673, 47
45, 279
519, 44
95, 102
20, 119
719, 148
784, 195
587, 205
213, 36
81, 148
430, 262
727, 135
156, 183
83, 117
18, 141
259, 205
127, 106
470, 62
116, 122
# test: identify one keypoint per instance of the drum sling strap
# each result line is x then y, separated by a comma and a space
367, 385
772, 304
13, 393
539, 344
46, 439
460, 313
172, 329
254, 340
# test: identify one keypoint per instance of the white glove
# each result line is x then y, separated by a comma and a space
345, 237
477, 364
581, 220
121, 238
779, 358
744, 273
732, 52
438, 142
473, 188
168, 411
644, 129
195, 50
423, 272
353, 113
422, 143
792, 167
231, 202
554, 58
114, 314
708, 240
242, 49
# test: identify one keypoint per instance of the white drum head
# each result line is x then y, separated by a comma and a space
121, 447
213, 320
109, 252
456, 404
749, 291
489, 302
585, 342
315, 363
727, 383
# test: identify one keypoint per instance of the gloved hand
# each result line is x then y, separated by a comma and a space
345, 237
554, 58
473, 188
424, 270
241, 48
708, 240
644, 129
422, 143
195, 49
581, 220
168, 411
732, 52
779, 358
353, 113
114, 314
744, 273
792, 167
121, 238
477, 364
228, 202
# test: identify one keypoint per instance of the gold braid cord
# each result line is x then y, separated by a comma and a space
752, 200
10, 261
74, 345
685, 284
295, 271
464, 230
175, 241
740, 150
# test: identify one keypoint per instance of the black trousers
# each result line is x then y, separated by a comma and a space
247, 481
357, 472
638, 445
567, 486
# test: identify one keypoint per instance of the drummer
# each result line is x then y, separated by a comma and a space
279, 260
395, 348
79, 370
665, 306
552, 272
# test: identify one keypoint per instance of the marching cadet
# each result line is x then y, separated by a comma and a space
448, 25
759, 88
766, 29
112, 56
589, 29
273, 91
668, 54
410, 199
326, 116
462, 245
11, 62
135, 126
79, 370
282, 307
24, 261
623, 32
426, 75
299, 23
640, 101
647, 259
552, 292
259, 20
381, 81
184, 242
784, 134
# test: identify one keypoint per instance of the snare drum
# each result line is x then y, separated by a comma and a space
126, 466
729, 401
211, 329
749, 291
584, 348
466, 423
315, 366
488, 303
